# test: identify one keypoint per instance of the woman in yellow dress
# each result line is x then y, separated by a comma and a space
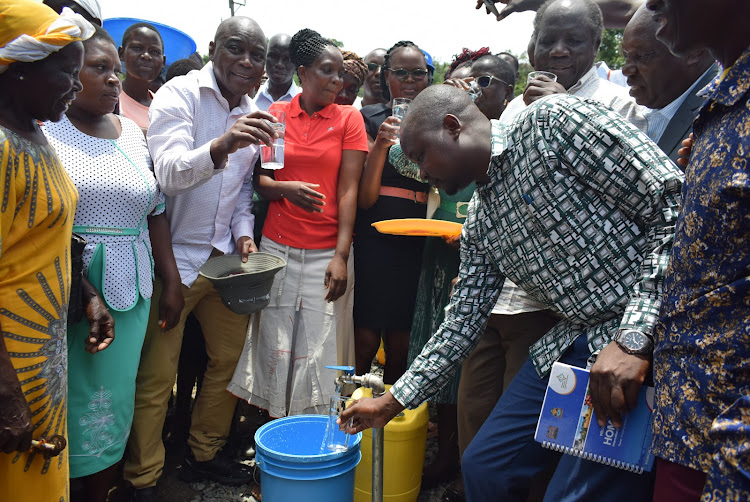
40, 56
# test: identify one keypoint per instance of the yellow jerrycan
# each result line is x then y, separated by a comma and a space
403, 456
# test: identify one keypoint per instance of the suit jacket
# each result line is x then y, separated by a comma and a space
681, 125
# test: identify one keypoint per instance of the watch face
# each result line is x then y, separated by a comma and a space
634, 340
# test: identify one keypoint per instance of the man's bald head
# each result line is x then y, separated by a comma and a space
448, 137
431, 105
233, 24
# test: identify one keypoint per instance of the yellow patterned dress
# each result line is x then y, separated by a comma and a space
37, 205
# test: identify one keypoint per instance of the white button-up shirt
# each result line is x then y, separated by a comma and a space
207, 207
263, 100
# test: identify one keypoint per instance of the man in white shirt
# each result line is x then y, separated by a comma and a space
280, 85
666, 84
203, 137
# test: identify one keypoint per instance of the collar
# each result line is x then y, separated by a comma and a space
590, 75
295, 110
293, 90
207, 80
729, 87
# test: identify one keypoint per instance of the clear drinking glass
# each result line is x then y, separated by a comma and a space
272, 157
475, 90
400, 105
336, 440
536, 74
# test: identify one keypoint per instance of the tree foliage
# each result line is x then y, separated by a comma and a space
610, 51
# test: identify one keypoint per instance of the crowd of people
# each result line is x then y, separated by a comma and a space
605, 213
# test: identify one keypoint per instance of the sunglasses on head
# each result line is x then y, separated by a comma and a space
373, 66
402, 73
486, 80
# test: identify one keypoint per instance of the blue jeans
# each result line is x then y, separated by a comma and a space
501, 461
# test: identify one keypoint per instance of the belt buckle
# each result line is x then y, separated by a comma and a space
459, 213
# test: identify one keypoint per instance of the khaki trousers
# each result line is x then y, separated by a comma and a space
489, 369
224, 332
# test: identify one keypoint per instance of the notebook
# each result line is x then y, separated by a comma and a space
567, 423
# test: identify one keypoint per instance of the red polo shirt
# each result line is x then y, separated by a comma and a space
313, 147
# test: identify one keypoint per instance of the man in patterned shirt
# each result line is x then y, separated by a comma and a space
577, 207
702, 356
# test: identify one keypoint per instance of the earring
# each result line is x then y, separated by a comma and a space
20, 77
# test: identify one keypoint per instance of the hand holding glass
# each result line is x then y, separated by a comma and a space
337, 440
272, 157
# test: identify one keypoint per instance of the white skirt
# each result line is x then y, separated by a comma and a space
289, 343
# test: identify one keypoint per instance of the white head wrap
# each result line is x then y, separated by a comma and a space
92, 7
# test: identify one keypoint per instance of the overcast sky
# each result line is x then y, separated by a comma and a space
441, 27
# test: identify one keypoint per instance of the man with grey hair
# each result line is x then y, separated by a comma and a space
667, 85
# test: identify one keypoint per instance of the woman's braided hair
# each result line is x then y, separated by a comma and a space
387, 64
306, 46
354, 66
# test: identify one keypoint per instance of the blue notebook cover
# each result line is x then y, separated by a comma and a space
566, 423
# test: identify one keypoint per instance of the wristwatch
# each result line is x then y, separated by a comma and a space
634, 342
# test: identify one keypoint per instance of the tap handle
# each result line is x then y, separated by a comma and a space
349, 370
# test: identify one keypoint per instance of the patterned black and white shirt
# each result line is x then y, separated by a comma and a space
580, 213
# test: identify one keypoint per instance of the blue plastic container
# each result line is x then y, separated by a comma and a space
294, 466
177, 44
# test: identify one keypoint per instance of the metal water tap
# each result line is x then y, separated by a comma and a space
375, 383
369, 380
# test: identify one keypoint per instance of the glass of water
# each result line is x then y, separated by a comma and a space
336, 440
400, 105
272, 157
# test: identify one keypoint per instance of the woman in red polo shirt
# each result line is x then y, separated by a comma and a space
310, 223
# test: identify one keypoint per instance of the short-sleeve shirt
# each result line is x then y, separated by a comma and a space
313, 147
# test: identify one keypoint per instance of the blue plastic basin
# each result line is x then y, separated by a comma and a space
295, 467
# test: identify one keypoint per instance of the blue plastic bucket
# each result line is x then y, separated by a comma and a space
294, 465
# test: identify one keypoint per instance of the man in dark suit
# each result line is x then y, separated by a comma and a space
664, 83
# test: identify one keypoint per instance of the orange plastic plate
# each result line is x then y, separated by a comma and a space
419, 227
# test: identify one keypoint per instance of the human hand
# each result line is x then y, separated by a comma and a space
511, 6
251, 129
16, 427
304, 195
454, 241
615, 381
171, 304
101, 324
683, 154
460, 83
335, 278
388, 132
540, 87
245, 246
370, 412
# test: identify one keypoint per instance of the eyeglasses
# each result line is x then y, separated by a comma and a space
373, 66
485, 81
402, 73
